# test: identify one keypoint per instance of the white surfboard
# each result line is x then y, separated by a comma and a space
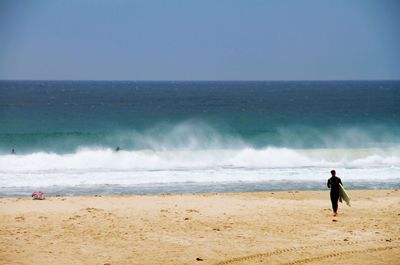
343, 195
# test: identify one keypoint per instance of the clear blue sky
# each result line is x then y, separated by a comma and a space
200, 40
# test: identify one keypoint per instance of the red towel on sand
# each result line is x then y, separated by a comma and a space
38, 195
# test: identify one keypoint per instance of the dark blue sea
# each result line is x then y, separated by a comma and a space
203, 136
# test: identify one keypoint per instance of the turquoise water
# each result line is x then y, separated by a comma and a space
64, 134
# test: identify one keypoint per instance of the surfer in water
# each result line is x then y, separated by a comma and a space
333, 184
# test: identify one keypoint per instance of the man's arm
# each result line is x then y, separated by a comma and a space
329, 183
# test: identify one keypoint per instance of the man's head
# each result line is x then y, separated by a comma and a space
333, 172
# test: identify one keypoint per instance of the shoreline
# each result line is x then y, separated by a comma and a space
197, 187
276, 227
233, 193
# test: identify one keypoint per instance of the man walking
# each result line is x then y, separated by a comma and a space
333, 184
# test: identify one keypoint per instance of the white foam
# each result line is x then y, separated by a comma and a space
90, 159
104, 166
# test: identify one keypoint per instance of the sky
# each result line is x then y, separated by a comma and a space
200, 40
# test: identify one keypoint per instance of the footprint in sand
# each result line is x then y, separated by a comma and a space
75, 217
93, 210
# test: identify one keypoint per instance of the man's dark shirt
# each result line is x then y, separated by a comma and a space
333, 184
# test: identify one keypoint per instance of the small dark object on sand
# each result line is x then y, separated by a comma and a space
38, 195
199, 259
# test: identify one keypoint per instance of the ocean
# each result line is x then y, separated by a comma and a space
197, 136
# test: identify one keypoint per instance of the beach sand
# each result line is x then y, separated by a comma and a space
223, 228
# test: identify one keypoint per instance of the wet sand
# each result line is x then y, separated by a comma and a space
224, 228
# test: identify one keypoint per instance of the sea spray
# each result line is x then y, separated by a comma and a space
226, 136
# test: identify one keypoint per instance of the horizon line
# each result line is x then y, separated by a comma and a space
194, 80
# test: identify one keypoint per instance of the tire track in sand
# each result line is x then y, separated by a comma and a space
286, 250
338, 254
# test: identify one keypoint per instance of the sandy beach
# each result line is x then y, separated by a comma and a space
224, 228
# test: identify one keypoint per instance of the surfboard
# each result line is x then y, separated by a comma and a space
343, 195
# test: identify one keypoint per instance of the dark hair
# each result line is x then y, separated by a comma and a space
333, 172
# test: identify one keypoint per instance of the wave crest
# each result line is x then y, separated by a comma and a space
107, 159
